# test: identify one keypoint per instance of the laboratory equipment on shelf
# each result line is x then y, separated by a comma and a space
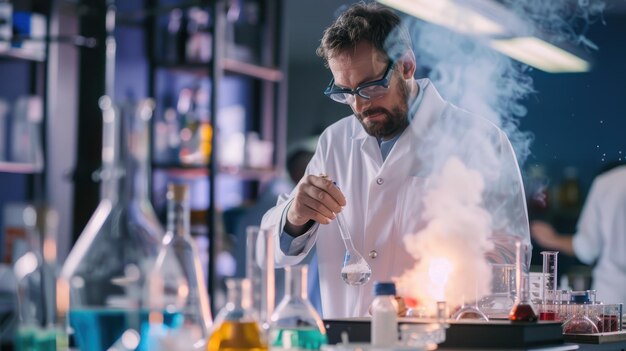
523, 309
35, 271
177, 268
355, 270
236, 327
295, 324
104, 275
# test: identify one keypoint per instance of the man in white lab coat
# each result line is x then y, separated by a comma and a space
373, 166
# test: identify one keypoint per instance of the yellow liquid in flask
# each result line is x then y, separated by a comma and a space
237, 336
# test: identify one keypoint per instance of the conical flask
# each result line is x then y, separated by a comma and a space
295, 324
236, 326
179, 250
105, 272
35, 271
523, 310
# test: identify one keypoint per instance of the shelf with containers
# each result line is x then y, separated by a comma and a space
217, 71
23, 88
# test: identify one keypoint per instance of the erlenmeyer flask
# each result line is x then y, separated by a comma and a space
295, 324
106, 270
236, 326
179, 251
523, 310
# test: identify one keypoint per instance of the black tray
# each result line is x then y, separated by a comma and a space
465, 334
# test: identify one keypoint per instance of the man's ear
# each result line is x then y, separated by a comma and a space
408, 64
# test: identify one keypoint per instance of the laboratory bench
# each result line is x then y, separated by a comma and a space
492, 335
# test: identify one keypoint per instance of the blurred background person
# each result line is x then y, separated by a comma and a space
600, 236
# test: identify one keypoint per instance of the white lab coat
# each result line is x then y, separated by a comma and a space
601, 235
384, 198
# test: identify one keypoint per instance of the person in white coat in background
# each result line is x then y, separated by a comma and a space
600, 236
373, 165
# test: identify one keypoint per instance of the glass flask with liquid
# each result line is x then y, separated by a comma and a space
523, 310
105, 273
178, 268
236, 326
295, 324
35, 271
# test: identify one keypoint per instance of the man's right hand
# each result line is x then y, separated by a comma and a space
317, 199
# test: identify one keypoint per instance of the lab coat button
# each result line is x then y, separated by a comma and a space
373, 254
379, 181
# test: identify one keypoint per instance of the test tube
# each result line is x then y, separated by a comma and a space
550, 261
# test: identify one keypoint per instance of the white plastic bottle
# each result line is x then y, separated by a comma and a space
384, 315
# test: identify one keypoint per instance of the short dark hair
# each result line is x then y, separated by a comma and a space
365, 22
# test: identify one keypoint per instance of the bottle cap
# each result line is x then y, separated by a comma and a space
384, 288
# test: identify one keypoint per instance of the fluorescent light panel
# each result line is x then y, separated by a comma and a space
467, 17
540, 54
449, 14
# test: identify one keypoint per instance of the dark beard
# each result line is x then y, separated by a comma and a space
394, 123
395, 120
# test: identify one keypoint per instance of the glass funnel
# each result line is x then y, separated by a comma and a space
178, 275
295, 323
105, 272
236, 326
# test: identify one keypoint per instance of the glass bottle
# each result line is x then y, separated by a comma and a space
295, 324
523, 310
236, 327
105, 272
35, 271
179, 251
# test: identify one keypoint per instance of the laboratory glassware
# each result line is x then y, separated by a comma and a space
295, 323
236, 326
469, 310
35, 271
105, 272
501, 300
260, 272
580, 322
178, 261
355, 270
549, 296
550, 264
523, 310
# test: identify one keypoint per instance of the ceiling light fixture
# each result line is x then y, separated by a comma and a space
502, 29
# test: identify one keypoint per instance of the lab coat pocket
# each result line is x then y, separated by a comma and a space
409, 207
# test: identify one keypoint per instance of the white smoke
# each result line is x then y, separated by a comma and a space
458, 231
461, 219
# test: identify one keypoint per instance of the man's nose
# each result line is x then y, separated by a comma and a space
360, 104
